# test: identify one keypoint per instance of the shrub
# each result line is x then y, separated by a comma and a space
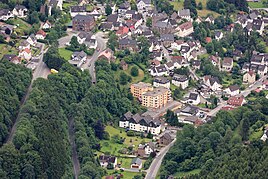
130, 133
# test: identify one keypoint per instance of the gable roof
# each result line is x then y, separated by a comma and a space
184, 12
193, 96
185, 26
234, 88
137, 161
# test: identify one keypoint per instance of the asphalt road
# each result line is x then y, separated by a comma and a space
155, 165
90, 64
40, 71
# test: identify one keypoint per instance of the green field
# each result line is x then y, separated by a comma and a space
22, 26
66, 54
256, 5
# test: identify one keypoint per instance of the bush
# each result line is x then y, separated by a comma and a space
134, 71
130, 133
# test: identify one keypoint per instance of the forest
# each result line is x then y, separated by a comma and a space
222, 149
14, 81
41, 147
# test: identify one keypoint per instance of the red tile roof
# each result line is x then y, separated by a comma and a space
227, 108
41, 32
236, 101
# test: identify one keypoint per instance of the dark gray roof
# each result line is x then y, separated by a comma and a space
193, 110
112, 18
137, 161
184, 12
234, 88
127, 41
155, 54
161, 68
79, 55
106, 25
180, 78
196, 63
161, 80
124, 5
218, 33
78, 9
107, 158
148, 2
20, 7
4, 12
193, 96
53, 2
87, 18
132, 12
9, 57
167, 37
166, 136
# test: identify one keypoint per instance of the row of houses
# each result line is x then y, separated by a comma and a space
18, 11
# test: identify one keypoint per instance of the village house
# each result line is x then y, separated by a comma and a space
199, 20
12, 58
138, 89
83, 23
32, 40
181, 81
78, 58
122, 9
265, 134
185, 14
156, 55
227, 64
233, 90
123, 65
218, 35
215, 60
46, 25
144, 4
54, 4
140, 123
126, 43
236, 101
20, 11
162, 27
136, 163
146, 149
196, 64
24, 44
40, 34
249, 77
188, 111
185, 29
189, 120
157, 98
106, 160
265, 84
167, 39
194, 99
212, 82
161, 81
25, 54
78, 10
165, 139
160, 70
210, 19
5, 14
107, 54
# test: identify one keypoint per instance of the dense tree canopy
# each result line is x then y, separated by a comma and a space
14, 81
218, 149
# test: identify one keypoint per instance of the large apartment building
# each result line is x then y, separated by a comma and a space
140, 123
83, 23
139, 88
156, 98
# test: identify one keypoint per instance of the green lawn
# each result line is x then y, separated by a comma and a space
177, 5
66, 54
183, 174
256, 5
6, 49
126, 174
204, 12
135, 140
66, 5
22, 26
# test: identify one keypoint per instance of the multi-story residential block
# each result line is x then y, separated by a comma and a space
157, 98
83, 23
140, 123
139, 88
